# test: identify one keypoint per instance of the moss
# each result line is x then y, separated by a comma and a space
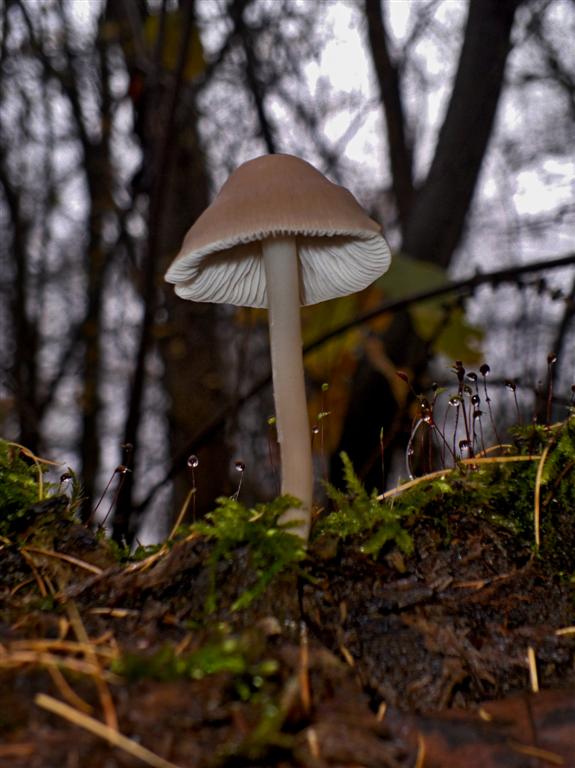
239, 656
19, 487
502, 490
240, 666
25, 496
360, 515
272, 549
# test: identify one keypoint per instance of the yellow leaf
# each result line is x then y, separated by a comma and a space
451, 334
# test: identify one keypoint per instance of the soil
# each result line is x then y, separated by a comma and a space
404, 660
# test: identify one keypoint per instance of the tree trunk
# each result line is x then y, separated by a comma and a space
436, 217
173, 175
191, 351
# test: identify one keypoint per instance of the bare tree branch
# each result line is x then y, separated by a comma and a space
256, 87
400, 150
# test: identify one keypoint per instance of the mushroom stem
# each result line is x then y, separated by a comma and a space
282, 279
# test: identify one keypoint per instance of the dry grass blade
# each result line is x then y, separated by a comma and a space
31, 455
66, 646
24, 749
143, 565
412, 483
347, 656
66, 558
537, 511
303, 671
313, 743
537, 753
23, 658
497, 447
441, 473
104, 692
38, 462
116, 613
565, 631
420, 759
67, 692
533, 675
182, 513
43, 589
20, 586
499, 459
112, 736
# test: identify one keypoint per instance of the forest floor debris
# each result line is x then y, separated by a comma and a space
453, 644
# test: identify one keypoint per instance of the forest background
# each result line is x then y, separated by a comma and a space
452, 122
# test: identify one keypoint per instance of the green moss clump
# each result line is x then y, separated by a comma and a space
502, 490
361, 515
29, 505
272, 548
238, 656
18, 485
21, 486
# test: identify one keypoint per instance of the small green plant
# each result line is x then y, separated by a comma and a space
19, 486
249, 676
534, 476
238, 656
24, 493
272, 548
361, 515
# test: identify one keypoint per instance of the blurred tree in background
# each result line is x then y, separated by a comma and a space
119, 121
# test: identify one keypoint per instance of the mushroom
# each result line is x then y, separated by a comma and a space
280, 235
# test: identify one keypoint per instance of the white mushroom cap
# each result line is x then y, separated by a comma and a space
341, 250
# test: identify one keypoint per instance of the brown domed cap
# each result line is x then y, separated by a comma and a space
341, 250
